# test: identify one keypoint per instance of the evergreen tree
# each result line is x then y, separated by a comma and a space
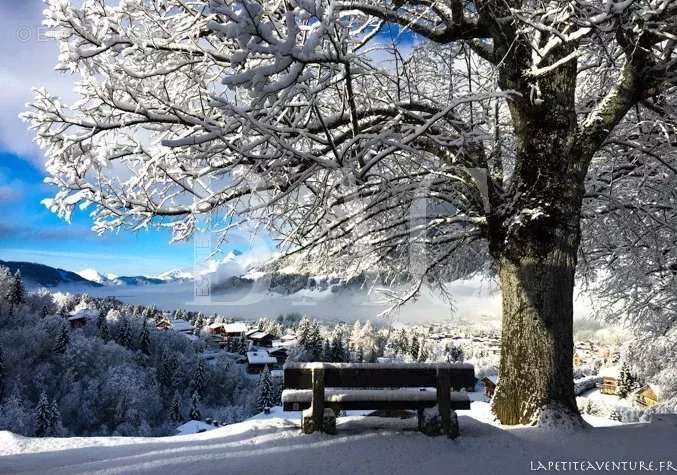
55, 416
422, 354
338, 352
403, 342
144, 344
626, 383
62, 340
44, 417
199, 381
326, 351
303, 332
44, 312
100, 319
167, 369
454, 354
104, 332
17, 291
175, 408
199, 323
265, 396
195, 407
124, 333
414, 348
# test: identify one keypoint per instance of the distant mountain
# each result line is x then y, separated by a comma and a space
137, 280
39, 275
228, 275
112, 279
93, 276
176, 274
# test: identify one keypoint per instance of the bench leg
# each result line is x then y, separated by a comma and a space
317, 404
452, 430
431, 422
308, 425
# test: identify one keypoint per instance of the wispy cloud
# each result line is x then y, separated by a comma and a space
10, 194
28, 61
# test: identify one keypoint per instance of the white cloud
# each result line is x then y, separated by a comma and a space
28, 62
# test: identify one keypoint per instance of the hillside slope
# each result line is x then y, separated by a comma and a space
363, 445
40, 275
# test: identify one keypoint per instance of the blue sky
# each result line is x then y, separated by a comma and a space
29, 232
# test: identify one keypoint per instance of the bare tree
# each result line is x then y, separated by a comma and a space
307, 118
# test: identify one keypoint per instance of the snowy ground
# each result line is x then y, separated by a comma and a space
608, 399
363, 445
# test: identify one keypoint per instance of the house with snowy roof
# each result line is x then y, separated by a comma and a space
610, 376
649, 395
257, 360
228, 330
81, 314
182, 326
261, 338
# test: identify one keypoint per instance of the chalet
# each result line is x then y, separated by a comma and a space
163, 325
648, 395
260, 338
78, 318
609, 377
279, 353
489, 383
578, 360
181, 326
257, 360
233, 330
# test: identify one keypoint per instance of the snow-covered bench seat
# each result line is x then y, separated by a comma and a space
366, 386
348, 399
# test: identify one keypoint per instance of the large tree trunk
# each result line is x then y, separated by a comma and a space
536, 371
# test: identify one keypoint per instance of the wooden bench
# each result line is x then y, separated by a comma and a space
320, 387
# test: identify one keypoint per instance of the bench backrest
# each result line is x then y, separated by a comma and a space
376, 375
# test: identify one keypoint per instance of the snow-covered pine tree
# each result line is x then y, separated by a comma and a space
303, 331
124, 332
199, 380
62, 340
18, 292
167, 370
103, 332
338, 351
423, 353
414, 348
326, 351
175, 408
402, 342
265, 395
100, 319
55, 417
195, 414
626, 383
44, 312
199, 323
44, 417
454, 354
144, 343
